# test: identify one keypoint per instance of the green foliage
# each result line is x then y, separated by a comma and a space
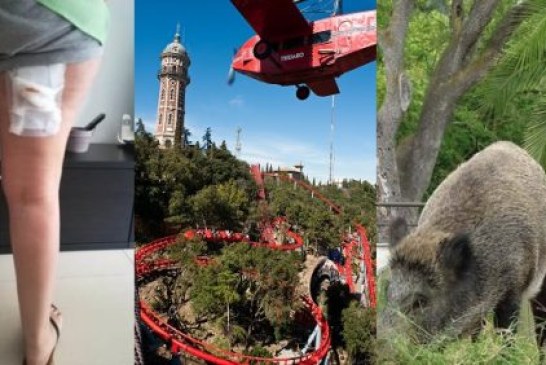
320, 227
207, 139
507, 105
522, 66
357, 198
173, 186
214, 288
359, 331
521, 77
204, 299
268, 279
259, 351
428, 33
150, 193
186, 251
259, 285
490, 347
535, 139
469, 133
248, 292
157, 305
221, 343
222, 206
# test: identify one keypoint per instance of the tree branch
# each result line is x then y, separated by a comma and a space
477, 69
452, 78
456, 16
480, 15
389, 116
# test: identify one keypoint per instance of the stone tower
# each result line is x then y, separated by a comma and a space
173, 80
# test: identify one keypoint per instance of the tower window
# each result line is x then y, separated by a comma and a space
160, 119
174, 68
170, 120
172, 94
162, 94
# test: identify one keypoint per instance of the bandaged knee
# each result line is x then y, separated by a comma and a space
36, 98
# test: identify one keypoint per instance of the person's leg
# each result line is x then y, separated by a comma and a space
31, 173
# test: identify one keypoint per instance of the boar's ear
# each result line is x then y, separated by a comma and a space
398, 229
455, 254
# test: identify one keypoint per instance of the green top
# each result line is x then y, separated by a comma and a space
90, 16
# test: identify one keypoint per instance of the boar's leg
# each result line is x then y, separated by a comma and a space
538, 304
507, 311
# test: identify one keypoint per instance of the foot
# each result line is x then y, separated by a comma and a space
43, 354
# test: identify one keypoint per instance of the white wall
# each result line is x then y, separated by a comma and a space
382, 255
112, 92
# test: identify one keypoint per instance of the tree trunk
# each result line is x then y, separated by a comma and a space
405, 170
418, 157
392, 42
228, 327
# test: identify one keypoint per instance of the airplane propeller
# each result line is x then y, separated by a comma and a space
231, 72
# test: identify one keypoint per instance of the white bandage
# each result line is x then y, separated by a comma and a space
36, 93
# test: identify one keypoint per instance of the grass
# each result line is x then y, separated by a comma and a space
491, 347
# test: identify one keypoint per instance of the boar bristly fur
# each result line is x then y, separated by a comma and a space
479, 246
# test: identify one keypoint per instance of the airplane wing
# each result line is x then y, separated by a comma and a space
324, 87
273, 20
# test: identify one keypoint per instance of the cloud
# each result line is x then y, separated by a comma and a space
283, 151
237, 102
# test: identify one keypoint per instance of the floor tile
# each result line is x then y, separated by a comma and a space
97, 307
93, 263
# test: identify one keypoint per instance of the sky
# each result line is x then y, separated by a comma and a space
276, 127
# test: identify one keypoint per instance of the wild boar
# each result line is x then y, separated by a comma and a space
479, 247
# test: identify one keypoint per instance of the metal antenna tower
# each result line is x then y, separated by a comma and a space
338, 7
238, 144
332, 131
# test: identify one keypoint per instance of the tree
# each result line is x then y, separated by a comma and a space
151, 194
187, 135
521, 75
359, 332
222, 206
225, 289
140, 130
475, 33
207, 139
257, 285
168, 180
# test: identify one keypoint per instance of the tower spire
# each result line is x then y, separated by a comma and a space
177, 35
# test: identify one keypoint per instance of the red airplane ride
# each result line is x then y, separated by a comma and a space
289, 50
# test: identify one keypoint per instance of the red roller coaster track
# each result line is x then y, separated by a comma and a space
180, 341
347, 247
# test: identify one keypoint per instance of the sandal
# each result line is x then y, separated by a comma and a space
56, 323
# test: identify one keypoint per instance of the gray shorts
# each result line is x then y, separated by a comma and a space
33, 35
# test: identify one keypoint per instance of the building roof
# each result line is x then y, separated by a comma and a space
175, 47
